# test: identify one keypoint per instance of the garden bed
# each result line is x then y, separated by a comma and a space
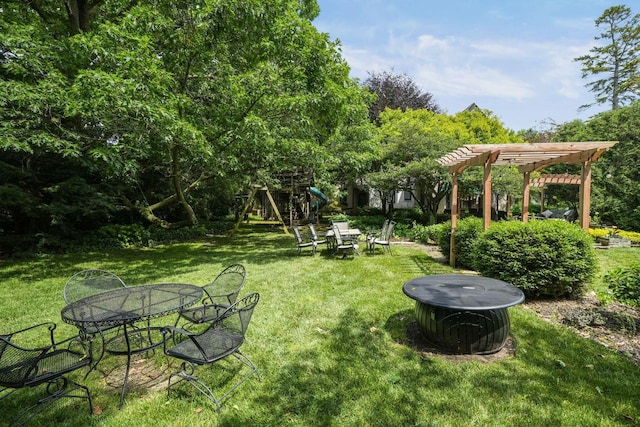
614, 325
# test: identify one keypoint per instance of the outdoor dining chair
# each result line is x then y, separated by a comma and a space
87, 283
22, 365
219, 295
90, 282
342, 244
371, 237
222, 338
385, 239
314, 235
302, 243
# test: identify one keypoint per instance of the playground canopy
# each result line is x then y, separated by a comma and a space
528, 158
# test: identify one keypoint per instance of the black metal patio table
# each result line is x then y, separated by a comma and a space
461, 313
127, 307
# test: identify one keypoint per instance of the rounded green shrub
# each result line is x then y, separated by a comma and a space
467, 232
542, 258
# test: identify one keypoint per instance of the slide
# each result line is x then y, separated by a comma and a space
320, 195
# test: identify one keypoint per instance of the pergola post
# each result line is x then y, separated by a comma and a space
525, 196
454, 218
486, 194
585, 195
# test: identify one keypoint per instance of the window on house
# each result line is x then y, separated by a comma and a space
407, 195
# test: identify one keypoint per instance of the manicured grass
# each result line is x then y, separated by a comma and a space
329, 338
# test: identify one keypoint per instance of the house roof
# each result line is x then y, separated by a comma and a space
527, 157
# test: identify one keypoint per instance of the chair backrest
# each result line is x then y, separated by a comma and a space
18, 364
90, 282
385, 226
238, 316
224, 289
389, 233
296, 232
336, 234
314, 235
342, 225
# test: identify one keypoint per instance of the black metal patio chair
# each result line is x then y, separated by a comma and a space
222, 338
87, 283
25, 366
220, 293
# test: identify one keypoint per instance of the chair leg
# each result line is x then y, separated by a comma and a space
186, 373
56, 389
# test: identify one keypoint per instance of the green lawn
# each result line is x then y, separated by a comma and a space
329, 338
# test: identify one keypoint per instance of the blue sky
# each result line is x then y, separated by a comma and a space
513, 57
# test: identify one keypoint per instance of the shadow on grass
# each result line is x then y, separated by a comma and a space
343, 378
175, 259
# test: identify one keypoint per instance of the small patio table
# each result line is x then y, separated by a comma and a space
462, 313
125, 307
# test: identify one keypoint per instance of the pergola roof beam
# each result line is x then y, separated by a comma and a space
528, 157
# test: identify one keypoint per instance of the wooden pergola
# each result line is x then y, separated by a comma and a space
527, 158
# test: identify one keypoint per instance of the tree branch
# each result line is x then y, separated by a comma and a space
36, 7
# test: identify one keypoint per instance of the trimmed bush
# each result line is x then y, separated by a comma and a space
543, 258
467, 232
624, 282
427, 233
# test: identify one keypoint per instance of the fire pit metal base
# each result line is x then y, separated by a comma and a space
462, 313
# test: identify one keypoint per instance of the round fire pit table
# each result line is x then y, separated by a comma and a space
463, 314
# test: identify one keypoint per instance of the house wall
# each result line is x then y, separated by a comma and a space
399, 200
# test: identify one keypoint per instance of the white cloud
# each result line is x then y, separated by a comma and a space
473, 82
427, 42
497, 68
500, 49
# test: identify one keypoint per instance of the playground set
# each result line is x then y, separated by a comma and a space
294, 193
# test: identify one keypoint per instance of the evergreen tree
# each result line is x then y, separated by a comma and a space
615, 62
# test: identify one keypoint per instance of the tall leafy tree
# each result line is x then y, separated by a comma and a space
165, 98
616, 193
397, 92
413, 140
615, 62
